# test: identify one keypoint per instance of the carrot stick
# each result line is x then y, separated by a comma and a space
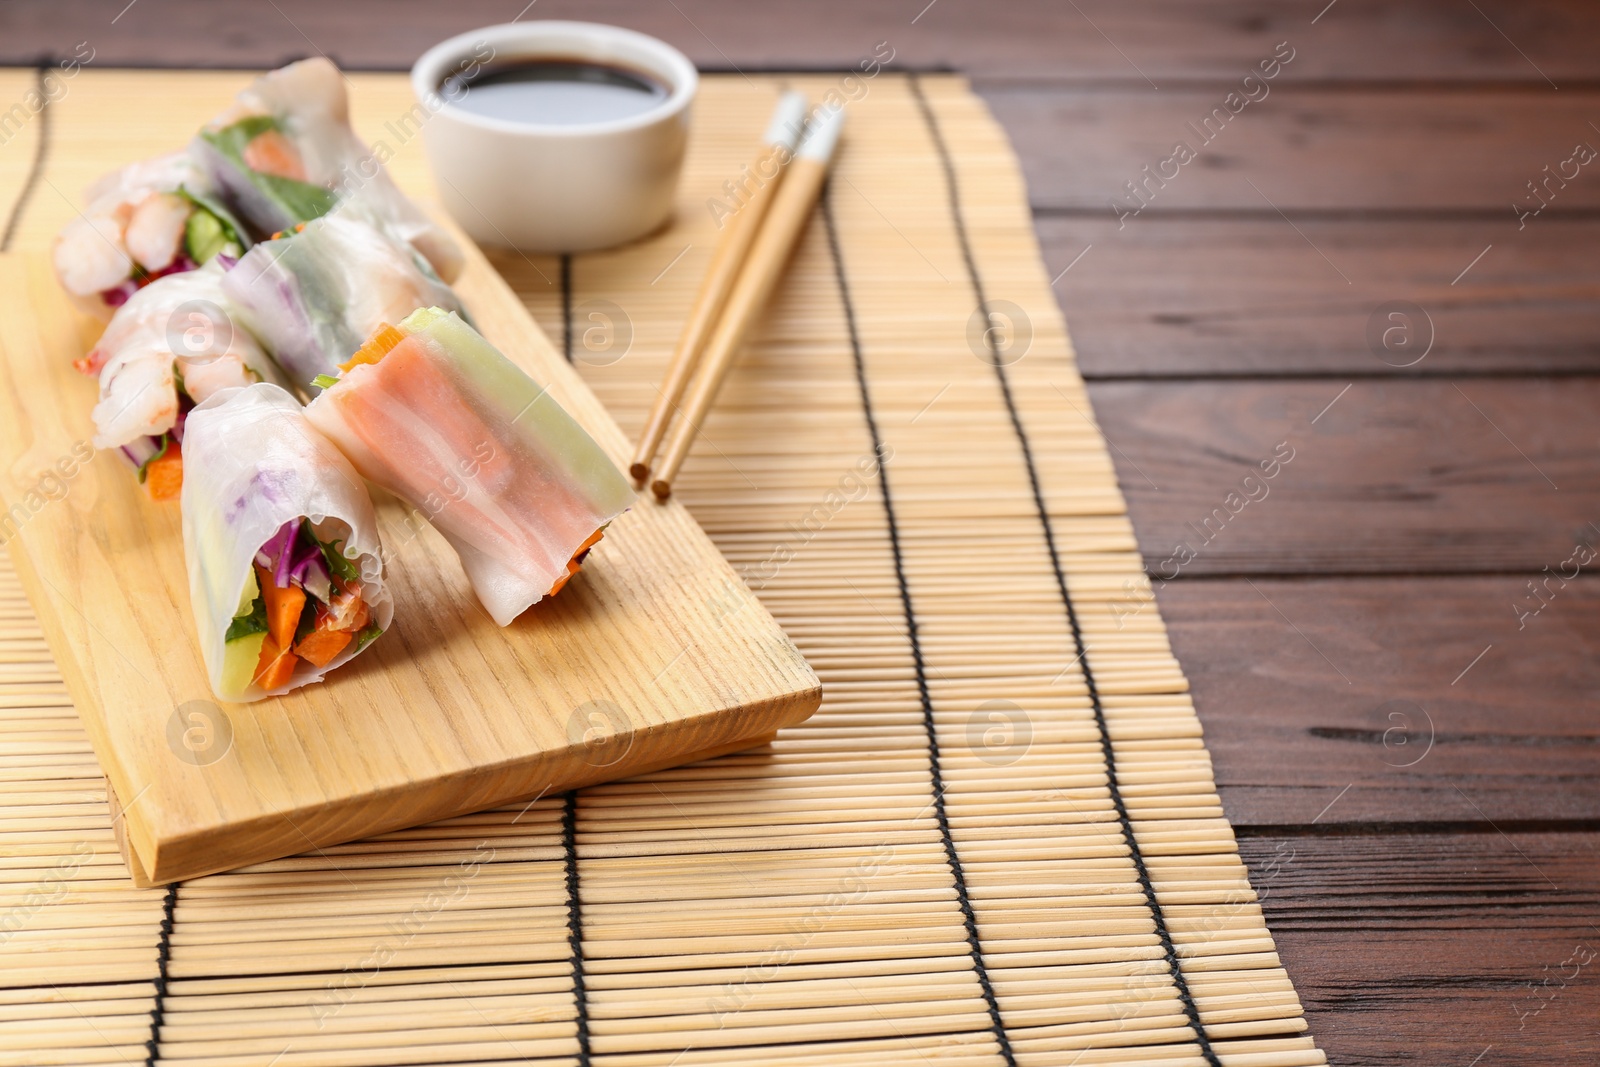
163, 476
275, 666
374, 348
320, 646
283, 608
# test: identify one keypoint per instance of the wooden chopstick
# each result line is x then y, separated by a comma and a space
777, 149
785, 221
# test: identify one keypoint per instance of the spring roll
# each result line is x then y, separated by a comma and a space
150, 219
285, 153
435, 414
285, 564
174, 344
315, 295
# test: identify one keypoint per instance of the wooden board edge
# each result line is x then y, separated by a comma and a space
130, 858
727, 748
143, 878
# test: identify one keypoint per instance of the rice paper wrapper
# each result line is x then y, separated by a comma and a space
478, 448
252, 462
179, 329
311, 107
132, 182
315, 296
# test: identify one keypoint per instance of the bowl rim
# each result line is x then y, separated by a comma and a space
594, 41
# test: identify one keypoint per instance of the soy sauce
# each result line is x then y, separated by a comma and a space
554, 92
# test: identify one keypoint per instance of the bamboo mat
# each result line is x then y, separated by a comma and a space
999, 841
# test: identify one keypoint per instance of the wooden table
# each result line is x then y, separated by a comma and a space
1402, 726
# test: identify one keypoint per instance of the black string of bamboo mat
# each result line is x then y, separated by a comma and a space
569, 849
169, 905
1180, 983
36, 168
969, 920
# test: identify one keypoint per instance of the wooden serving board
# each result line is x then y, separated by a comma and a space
655, 655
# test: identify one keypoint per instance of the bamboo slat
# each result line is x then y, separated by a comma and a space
938, 866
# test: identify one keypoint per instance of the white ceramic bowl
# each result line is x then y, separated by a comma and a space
566, 188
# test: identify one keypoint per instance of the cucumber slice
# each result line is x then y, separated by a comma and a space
247, 598
204, 235
239, 659
421, 319
232, 231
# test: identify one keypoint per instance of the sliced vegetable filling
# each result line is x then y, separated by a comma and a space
306, 605
260, 148
158, 461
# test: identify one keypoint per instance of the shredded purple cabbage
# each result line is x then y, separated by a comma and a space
288, 294
118, 295
305, 552
293, 558
141, 450
273, 483
312, 574
179, 265
274, 555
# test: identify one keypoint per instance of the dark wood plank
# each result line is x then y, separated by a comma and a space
1303, 147
1094, 40
1406, 947
1439, 949
1166, 296
1396, 476
1364, 700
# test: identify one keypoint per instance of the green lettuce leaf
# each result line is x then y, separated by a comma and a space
299, 200
253, 623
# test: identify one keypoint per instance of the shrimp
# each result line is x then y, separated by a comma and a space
90, 256
155, 232
204, 377
346, 609
138, 397
133, 218
146, 349
270, 152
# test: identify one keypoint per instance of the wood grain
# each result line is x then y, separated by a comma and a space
1398, 476
1391, 935
1250, 296
1420, 732
1099, 41
443, 716
1376, 994
1303, 148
